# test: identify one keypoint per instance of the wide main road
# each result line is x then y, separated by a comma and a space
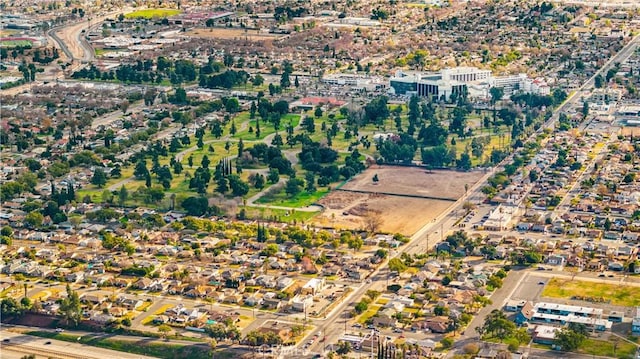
17, 345
71, 40
470, 335
425, 238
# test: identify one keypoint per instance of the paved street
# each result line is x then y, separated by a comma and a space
499, 298
25, 344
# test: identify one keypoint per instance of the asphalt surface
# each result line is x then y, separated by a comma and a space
21, 344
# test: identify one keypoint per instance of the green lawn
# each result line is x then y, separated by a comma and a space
618, 294
606, 348
143, 347
218, 153
372, 309
152, 13
16, 43
303, 199
266, 128
280, 214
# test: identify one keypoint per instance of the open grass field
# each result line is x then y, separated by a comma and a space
266, 128
303, 199
280, 214
604, 348
152, 13
623, 295
15, 43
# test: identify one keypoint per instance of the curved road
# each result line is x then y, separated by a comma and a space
70, 39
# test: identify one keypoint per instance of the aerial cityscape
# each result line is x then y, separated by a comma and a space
326, 179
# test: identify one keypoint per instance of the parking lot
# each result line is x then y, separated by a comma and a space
530, 288
329, 295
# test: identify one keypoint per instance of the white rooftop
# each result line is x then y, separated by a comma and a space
568, 308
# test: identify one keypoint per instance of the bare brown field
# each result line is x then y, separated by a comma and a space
231, 34
414, 181
630, 131
346, 210
399, 214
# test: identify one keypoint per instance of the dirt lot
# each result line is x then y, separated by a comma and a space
251, 35
398, 213
414, 181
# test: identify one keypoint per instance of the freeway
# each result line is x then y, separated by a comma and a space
70, 39
17, 343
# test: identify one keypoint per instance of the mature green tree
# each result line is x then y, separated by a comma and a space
397, 265
293, 186
414, 109
238, 186
6, 231
34, 219
310, 180
70, 308
205, 162
257, 180
10, 307
195, 206
568, 339
141, 171
99, 178
273, 176
497, 94
497, 325
464, 162
222, 185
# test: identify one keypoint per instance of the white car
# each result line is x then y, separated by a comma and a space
59, 330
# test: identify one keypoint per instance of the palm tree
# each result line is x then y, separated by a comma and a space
213, 344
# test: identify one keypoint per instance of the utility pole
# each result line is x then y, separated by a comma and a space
427, 248
371, 342
345, 322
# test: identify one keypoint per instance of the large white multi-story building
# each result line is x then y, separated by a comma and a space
452, 81
357, 82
